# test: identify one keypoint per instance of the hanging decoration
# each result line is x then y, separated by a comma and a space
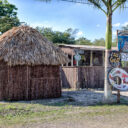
115, 59
77, 58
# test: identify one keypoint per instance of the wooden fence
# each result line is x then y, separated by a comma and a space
82, 77
69, 77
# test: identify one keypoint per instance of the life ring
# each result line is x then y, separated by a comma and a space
122, 74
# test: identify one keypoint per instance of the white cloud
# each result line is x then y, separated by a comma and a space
98, 25
125, 24
79, 34
117, 25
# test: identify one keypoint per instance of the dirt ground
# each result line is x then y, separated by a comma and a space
75, 109
85, 97
109, 121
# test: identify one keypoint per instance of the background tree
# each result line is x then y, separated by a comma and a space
99, 42
8, 16
125, 28
66, 37
114, 42
83, 41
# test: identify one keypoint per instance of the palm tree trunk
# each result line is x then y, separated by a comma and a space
107, 86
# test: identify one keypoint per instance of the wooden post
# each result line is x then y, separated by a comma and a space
67, 63
72, 60
117, 38
103, 57
118, 91
91, 58
77, 63
118, 96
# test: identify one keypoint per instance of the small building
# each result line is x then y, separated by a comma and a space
29, 65
90, 55
89, 73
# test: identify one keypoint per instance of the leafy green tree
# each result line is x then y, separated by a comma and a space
47, 32
114, 43
66, 37
8, 16
83, 41
125, 28
99, 42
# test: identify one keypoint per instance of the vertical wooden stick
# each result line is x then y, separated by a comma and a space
103, 53
91, 58
118, 96
72, 60
118, 91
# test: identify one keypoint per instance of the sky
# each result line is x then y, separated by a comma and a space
61, 15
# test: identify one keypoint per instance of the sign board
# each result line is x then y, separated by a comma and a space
123, 43
115, 59
122, 75
124, 56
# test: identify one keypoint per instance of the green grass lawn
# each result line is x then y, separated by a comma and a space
26, 113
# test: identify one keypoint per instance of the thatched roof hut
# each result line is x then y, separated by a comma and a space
26, 46
29, 65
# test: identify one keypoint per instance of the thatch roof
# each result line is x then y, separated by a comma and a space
26, 46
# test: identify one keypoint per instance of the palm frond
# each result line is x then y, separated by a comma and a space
119, 3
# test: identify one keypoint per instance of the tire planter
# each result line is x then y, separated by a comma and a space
122, 75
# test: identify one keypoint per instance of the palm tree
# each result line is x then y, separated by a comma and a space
107, 7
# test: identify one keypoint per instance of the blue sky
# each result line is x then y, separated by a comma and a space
61, 15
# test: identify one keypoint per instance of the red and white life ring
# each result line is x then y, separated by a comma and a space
123, 75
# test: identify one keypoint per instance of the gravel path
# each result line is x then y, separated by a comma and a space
83, 97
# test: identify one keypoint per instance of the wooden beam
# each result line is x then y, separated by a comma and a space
67, 63
91, 58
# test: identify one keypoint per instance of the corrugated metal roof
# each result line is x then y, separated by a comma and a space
87, 47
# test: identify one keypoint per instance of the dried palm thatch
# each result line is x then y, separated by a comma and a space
26, 46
